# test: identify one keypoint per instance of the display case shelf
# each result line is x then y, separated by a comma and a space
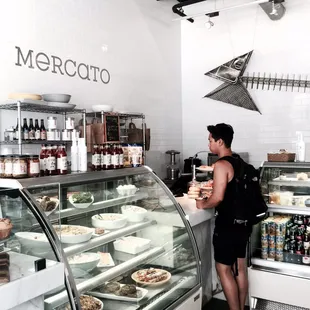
288, 209
290, 182
15, 142
100, 279
106, 238
39, 106
121, 115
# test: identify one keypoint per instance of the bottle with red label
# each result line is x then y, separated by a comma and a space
115, 157
96, 158
62, 166
43, 161
50, 161
101, 152
121, 156
107, 157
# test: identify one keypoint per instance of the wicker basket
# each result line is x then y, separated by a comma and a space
281, 157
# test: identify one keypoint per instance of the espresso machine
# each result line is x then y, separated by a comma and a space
173, 170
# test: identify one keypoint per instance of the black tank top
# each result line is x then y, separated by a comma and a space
225, 208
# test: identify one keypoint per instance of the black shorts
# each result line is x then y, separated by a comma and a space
229, 245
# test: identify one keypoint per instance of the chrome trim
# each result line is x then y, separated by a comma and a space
95, 242
288, 269
288, 209
98, 280
296, 165
290, 183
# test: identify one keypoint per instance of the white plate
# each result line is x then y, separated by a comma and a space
205, 169
110, 264
134, 277
122, 298
72, 239
61, 105
97, 235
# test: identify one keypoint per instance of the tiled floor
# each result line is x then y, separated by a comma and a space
216, 304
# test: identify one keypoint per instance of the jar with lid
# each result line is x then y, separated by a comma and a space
66, 135
9, 134
57, 135
2, 166
8, 166
69, 123
19, 166
50, 134
51, 122
33, 166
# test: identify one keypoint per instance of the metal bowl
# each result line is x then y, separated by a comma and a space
56, 98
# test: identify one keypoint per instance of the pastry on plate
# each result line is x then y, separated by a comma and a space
5, 228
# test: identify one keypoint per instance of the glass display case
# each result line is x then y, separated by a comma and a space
280, 245
122, 236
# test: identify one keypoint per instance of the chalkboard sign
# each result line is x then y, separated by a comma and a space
112, 128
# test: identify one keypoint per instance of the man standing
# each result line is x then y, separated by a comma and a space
229, 239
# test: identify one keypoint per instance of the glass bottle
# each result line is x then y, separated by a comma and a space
121, 156
42, 130
25, 130
17, 131
31, 130
96, 158
101, 151
50, 161
37, 133
115, 157
62, 166
43, 161
106, 157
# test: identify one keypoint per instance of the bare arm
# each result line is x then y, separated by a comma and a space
222, 171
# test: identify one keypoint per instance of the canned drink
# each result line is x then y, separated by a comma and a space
264, 253
271, 253
279, 255
264, 228
272, 241
279, 242
280, 229
264, 240
272, 228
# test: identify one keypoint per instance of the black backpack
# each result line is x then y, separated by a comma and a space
249, 207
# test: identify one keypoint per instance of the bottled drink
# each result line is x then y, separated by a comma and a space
50, 161
37, 134
115, 157
17, 130
306, 241
101, 151
106, 157
43, 161
25, 130
295, 219
96, 159
62, 166
300, 248
42, 130
121, 156
31, 130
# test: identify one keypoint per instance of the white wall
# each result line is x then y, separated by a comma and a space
280, 46
143, 59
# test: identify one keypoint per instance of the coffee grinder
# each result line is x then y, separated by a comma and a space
173, 170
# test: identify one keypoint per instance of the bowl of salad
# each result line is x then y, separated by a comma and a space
81, 200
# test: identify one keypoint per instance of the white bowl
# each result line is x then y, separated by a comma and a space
102, 107
81, 205
107, 222
97, 300
91, 260
32, 240
65, 98
71, 238
124, 190
134, 213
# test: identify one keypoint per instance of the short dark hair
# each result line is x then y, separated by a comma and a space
222, 131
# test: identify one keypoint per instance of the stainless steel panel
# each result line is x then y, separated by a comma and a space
296, 165
271, 305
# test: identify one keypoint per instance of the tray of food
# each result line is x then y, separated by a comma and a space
73, 233
205, 168
122, 292
89, 303
151, 276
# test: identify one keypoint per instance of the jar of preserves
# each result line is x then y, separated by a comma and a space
69, 123
33, 166
51, 122
50, 134
57, 135
66, 135
2, 166
20, 166
8, 166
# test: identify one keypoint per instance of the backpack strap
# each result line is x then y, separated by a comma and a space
237, 164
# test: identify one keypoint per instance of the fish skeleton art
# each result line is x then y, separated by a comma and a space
234, 89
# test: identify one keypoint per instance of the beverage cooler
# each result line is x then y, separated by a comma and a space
124, 240
279, 272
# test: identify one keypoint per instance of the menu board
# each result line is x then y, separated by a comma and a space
112, 128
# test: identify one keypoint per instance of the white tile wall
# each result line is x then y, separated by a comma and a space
280, 47
143, 57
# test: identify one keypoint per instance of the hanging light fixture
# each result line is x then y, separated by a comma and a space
209, 24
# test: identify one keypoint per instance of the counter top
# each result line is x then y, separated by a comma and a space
26, 284
194, 216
